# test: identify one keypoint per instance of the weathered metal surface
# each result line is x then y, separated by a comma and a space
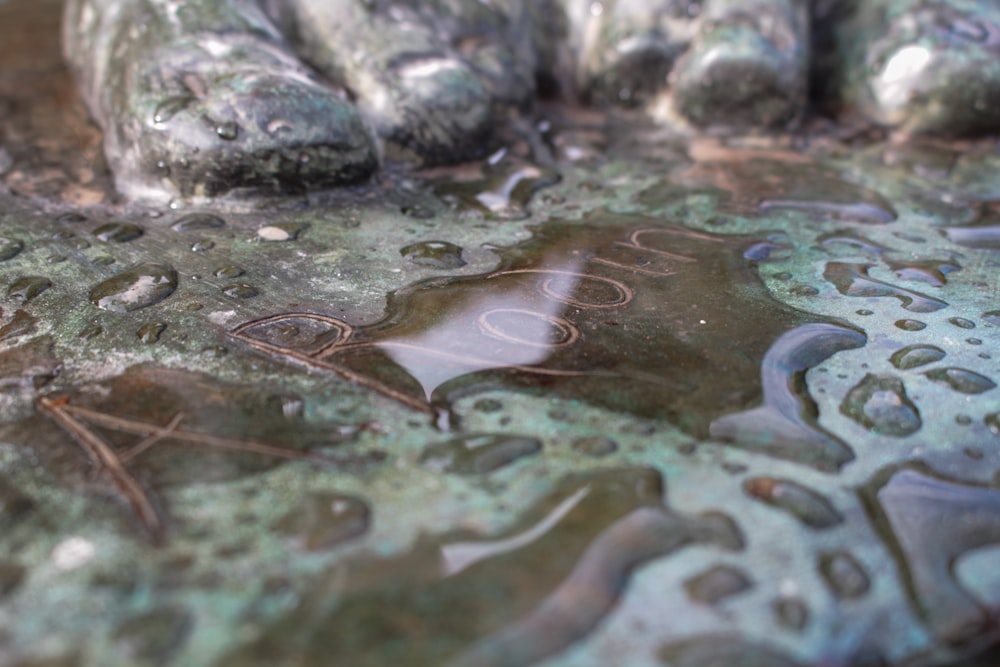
692, 403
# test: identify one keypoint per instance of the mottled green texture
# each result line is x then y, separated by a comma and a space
243, 556
733, 474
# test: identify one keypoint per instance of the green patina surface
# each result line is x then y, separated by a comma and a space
690, 404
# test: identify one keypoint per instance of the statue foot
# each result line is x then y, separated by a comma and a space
747, 67
207, 97
430, 77
202, 100
927, 66
726, 64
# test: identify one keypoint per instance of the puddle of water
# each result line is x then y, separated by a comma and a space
510, 599
620, 311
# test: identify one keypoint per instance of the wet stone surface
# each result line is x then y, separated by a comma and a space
691, 403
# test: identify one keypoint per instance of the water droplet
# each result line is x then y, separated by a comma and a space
595, 445
479, 454
931, 523
12, 576
118, 232
289, 406
282, 231
488, 405
202, 246
717, 584
150, 332
27, 288
910, 325
992, 422
763, 251
104, 260
198, 222
505, 192
803, 503
214, 351
138, 287
20, 325
90, 331
804, 290
9, 248
71, 218
733, 468
228, 272
278, 126
325, 520
56, 259
969, 29
974, 341
993, 317
914, 356
931, 272
844, 574
961, 380
791, 612
979, 237
240, 291
880, 404
864, 312
782, 427
418, 211
170, 107
436, 254
228, 130
962, 323
852, 239
853, 280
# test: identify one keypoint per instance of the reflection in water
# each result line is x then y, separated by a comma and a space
514, 326
621, 311
460, 555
